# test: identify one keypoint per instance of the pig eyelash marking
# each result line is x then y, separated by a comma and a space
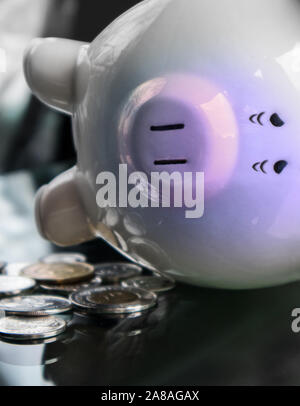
168, 127
171, 162
275, 120
258, 118
278, 167
261, 167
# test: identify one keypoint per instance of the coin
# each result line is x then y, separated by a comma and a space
15, 285
37, 305
31, 328
154, 283
116, 272
59, 273
73, 287
15, 268
113, 300
63, 257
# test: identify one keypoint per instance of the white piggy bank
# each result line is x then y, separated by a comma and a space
200, 86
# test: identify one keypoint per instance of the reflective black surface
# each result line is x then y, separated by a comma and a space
194, 336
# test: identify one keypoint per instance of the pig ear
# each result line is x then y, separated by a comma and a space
50, 68
59, 213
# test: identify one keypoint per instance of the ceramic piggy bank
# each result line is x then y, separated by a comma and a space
202, 91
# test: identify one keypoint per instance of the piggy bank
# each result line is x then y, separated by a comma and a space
205, 88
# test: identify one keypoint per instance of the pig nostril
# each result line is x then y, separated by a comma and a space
168, 127
171, 162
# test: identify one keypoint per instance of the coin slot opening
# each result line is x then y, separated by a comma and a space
169, 127
171, 162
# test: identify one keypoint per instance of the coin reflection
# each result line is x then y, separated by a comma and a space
130, 324
106, 348
32, 353
82, 318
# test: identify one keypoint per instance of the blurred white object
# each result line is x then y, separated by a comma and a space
3, 61
20, 20
15, 268
19, 240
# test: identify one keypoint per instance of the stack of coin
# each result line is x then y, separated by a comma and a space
31, 328
108, 289
113, 300
66, 276
35, 305
23, 319
130, 291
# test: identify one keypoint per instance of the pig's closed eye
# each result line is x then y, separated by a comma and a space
168, 127
275, 119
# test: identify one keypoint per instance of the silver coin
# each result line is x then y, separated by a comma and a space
70, 288
31, 328
113, 300
37, 305
63, 257
154, 283
15, 285
116, 272
15, 268
59, 273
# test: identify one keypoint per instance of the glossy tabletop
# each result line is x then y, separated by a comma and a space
193, 337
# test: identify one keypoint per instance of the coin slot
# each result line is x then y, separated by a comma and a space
169, 127
171, 162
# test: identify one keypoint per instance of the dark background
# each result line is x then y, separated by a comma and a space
75, 19
39, 141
